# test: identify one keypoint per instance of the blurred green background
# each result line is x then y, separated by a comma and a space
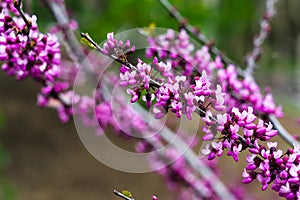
42, 159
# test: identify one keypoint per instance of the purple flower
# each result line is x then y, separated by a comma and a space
190, 106
220, 99
235, 152
128, 78
247, 177
202, 85
176, 107
148, 98
159, 111
116, 48
135, 94
213, 150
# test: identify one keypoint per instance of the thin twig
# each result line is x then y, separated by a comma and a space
18, 6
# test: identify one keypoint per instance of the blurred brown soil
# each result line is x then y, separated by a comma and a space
48, 160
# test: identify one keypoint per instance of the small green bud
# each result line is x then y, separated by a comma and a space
85, 41
127, 193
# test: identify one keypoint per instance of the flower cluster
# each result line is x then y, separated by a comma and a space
180, 96
8, 5
26, 52
117, 48
158, 82
172, 93
183, 55
32, 54
245, 91
229, 125
271, 166
239, 127
180, 51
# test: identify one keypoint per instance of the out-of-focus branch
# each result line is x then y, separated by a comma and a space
259, 39
198, 165
282, 131
193, 31
73, 47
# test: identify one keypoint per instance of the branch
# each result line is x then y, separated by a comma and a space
70, 41
193, 31
283, 132
18, 6
259, 39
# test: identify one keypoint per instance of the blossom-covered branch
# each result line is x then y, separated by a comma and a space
110, 48
180, 94
28, 53
252, 58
